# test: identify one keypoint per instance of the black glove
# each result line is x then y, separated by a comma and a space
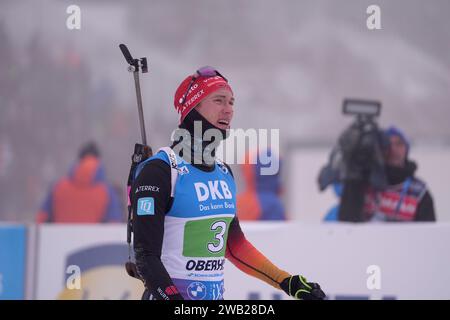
141, 153
298, 287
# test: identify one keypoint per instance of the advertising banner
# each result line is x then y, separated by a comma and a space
383, 261
12, 261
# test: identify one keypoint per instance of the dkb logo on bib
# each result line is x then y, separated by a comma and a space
212, 190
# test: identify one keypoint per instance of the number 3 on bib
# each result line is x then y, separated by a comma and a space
219, 227
206, 237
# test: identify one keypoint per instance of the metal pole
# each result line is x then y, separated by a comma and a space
140, 109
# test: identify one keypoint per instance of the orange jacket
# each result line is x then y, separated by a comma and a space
78, 197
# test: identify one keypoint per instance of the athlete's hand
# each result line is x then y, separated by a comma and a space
298, 287
141, 152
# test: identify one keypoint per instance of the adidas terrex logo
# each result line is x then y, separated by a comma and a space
182, 170
217, 189
147, 188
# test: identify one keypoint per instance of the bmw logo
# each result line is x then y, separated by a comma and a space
196, 291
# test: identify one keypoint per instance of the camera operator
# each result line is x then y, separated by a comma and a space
405, 198
375, 172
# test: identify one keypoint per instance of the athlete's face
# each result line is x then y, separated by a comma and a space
217, 108
396, 154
